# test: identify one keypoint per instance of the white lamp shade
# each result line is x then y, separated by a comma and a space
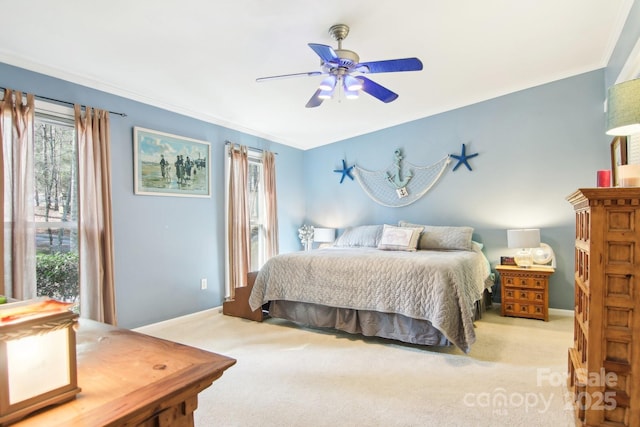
623, 108
324, 235
523, 238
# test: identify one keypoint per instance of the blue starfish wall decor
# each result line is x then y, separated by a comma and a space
345, 171
463, 157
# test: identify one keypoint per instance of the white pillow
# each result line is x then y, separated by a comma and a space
443, 237
399, 238
362, 235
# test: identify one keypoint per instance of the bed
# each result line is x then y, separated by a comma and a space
413, 283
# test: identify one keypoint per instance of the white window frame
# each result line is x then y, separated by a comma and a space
255, 157
54, 112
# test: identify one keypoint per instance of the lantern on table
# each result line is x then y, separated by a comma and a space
37, 357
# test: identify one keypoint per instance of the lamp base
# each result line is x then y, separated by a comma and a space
524, 258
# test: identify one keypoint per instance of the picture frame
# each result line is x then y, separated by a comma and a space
633, 149
170, 165
507, 260
618, 158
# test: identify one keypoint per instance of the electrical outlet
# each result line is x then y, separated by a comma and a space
203, 283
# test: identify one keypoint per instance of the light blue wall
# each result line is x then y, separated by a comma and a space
165, 245
535, 148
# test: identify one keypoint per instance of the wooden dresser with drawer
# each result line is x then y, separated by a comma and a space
604, 361
525, 291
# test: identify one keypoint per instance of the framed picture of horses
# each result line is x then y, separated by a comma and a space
170, 165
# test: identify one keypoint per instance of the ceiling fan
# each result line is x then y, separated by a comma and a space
344, 72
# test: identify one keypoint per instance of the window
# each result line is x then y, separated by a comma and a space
56, 203
256, 213
251, 223
44, 196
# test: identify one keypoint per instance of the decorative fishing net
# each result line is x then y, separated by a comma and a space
389, 187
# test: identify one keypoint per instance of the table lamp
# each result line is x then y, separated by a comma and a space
623, 108
523, 239
324, 235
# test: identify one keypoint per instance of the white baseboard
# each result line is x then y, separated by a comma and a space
179, 319
554, 311
561, 312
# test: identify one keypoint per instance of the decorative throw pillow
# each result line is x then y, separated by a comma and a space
443, 237
399, 238
359, 236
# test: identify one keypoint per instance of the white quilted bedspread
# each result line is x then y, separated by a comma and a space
439, 286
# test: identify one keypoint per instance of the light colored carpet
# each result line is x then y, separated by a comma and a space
287, 375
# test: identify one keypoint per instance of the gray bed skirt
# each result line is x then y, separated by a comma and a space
368, 323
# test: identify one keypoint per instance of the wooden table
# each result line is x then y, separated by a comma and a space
131, 379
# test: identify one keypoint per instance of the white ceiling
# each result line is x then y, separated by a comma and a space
201, 57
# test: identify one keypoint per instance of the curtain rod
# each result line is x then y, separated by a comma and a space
233, 144
45, 98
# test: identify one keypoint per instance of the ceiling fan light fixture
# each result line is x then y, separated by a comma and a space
325, 94
337, 67
328, 83
352, 84
351, 94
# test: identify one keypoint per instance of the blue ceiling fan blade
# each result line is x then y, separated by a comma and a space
315, 100
376, 90
390, 66
284, 76
326, 53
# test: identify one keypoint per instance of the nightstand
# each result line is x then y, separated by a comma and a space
525, 291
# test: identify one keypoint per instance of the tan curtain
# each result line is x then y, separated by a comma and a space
271, 206
16, 133
97, 292
238, 242
2, 232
